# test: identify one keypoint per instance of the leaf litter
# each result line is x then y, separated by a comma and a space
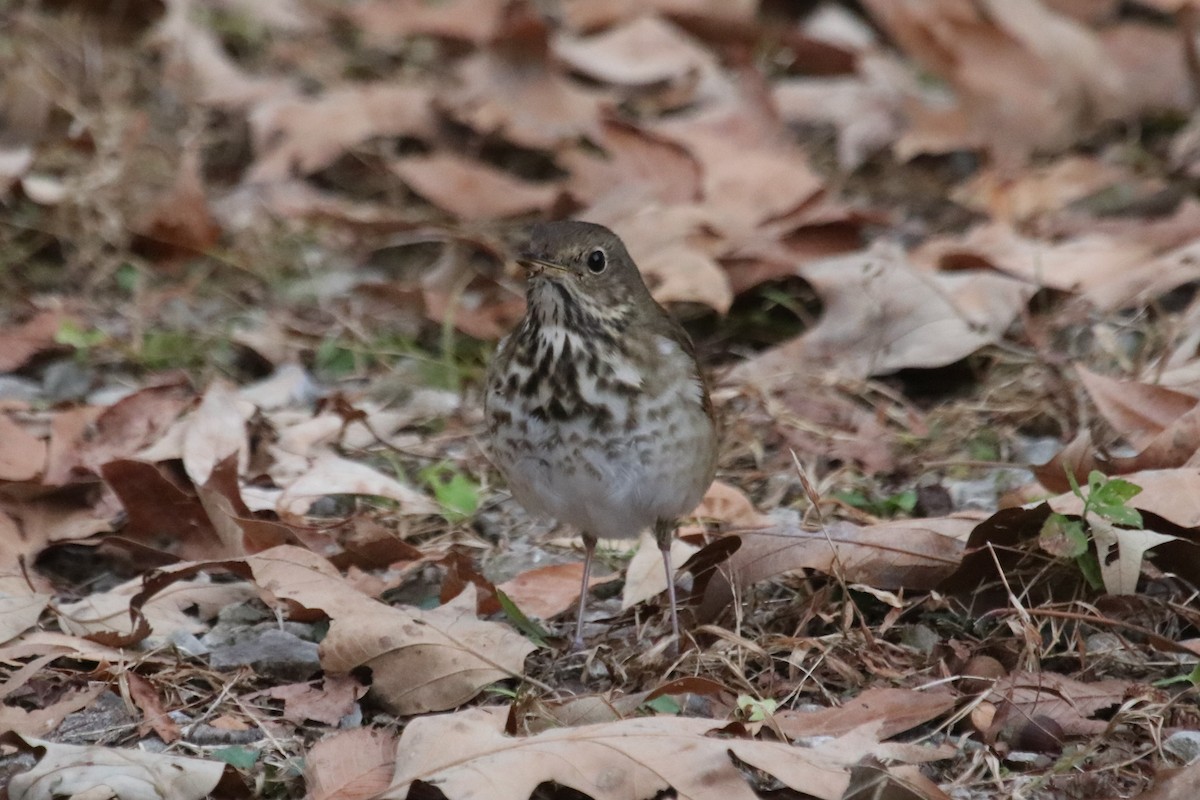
258, 258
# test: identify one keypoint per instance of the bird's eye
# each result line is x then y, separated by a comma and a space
597, 261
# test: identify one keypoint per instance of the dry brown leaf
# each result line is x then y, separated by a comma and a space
134, 422
912, 553
521, 101
186, 607
424, 661
867, 109
547, 591
22, 455
420, 660
154, 714
297, 136
20, 607
1176, 446
730, 507
327, 700
162, 513
383, 23
1174, 784
642, 52
645, 576
898, 709
350, 765
1121, 573
179, 223
20, 343
471, 190
1027, 79
1041, 190
216, 430
636, 166
747, 179
881, 314
1070, 703
330, 474
67, 770
1138, 411
612, 761
196, 64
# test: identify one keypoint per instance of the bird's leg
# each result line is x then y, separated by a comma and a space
589, 549
664, 533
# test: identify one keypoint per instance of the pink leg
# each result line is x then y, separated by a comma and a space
664, 532
589, 548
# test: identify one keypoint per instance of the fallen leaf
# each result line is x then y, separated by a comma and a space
520, 101
330, 474
326, 700
38, 334
216, 430
350, 765
635, 167
179, 223
914, 554
645, 576
644, 51
20, 607
383, 23
1072, 704
297, 136
1110, 273
1041, 190
420, 660
881, 314
867, 109
630, 758
154, 714
67, 770
424, 661
547, 591
1138, 411
899, 709
22, 455
1027, 78
1121, 574
195, 63
471, 190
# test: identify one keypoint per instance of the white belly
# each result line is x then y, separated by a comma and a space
611, 484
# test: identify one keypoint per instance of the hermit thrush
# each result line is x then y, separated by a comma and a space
597, 411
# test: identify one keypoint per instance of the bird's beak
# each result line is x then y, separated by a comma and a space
534, 265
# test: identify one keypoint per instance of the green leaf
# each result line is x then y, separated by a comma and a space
755, 710
237, 757
1074, 483
335, 360
663, 704
1192, 677
1120, 514
530, 629
1089, 565
127, 277
72, 335
457, 494
1118, 490
1062, 537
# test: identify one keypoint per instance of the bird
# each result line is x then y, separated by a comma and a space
597, 411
